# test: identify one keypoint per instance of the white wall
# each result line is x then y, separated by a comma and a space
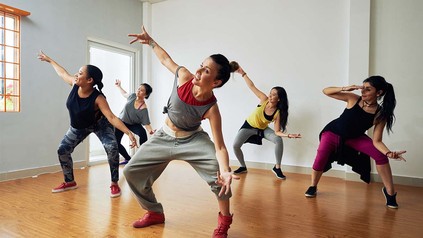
397, 53
303, 46
29, 139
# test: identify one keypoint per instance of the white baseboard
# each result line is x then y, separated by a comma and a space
350, 176
33, 172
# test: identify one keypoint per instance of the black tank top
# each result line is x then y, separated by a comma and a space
352, 123
82, 110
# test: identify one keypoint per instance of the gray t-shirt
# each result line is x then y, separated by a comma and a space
131, 115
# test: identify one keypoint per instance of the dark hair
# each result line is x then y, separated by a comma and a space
282, 106
148, 90
388, 102
225, 68
95, 73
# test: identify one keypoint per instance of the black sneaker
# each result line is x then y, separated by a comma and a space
278, 173
391, 201
241, 170
311, 192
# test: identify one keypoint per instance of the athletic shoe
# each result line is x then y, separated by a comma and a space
223, 224
311, 192
391, 201
241, 170
124, 162
150, 218
278, 173
64, 187
114, 191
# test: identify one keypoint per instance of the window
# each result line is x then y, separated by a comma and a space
10, 79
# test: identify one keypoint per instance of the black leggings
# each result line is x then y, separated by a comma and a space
137, 129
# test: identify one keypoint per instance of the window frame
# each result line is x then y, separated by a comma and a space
10, 58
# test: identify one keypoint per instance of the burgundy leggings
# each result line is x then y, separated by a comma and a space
329, 141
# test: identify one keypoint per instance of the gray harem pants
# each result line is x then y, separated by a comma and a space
152, 157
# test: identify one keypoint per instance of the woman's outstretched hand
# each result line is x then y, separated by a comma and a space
294, 136
143, 38
43, 57
397, 155
225, 179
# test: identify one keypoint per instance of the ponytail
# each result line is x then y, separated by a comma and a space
95, 73
386, 113
388, 105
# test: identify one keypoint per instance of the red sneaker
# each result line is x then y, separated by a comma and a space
150, 218
64, 187
223, 223
115, 190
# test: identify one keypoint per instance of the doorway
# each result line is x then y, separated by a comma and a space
116, 63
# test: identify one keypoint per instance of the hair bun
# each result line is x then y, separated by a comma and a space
234, 66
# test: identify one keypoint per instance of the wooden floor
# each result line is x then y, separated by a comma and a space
263, 207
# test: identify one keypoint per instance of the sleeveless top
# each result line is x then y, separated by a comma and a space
183, 114
258, 119
352, 123
133, 116
82, 110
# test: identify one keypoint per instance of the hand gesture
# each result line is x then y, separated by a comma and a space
133, 141
225, 180
43, 57
117, 83
397, 155
294, 136
143, 38
152, 132
352, 88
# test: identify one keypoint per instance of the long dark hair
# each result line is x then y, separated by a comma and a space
282, 106
225, 68
389, 102
95, 73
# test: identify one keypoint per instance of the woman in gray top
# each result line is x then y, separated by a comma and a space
134, 115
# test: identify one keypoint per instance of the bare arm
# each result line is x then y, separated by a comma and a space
262, 96
69, 79
279, 132
378, 143
343, 94
162, 55
121, 90
225, 175
114, 120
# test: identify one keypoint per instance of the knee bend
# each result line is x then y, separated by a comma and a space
63, 150
319, 165
381, 161
236, 146
113, 146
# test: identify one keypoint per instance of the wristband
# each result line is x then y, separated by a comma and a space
244, 74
